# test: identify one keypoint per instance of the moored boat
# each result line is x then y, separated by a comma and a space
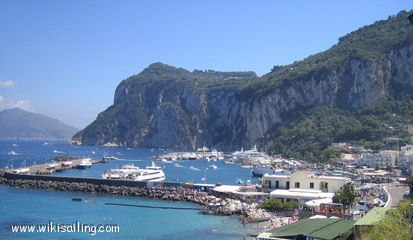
151, 173
84, 163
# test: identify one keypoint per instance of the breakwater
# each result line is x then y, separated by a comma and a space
211, 202
161, 190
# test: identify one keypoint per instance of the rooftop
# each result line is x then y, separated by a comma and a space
372, 217
301, 193
329, 228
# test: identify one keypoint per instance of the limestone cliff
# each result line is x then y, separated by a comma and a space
164, 106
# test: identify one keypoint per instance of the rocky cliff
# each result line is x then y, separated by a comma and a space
164, 106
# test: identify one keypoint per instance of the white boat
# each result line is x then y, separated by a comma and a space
151, 173
239, 181
203, 149
12, 153
213, 166
246, 166
120, 173
193, 168
84, 163
165, 160
252, 153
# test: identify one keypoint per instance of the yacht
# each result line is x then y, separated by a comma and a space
85, 163
151, 173
252, 153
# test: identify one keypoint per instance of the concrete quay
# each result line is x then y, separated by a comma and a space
47, 168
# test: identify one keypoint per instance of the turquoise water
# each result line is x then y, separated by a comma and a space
28, 206
31, 206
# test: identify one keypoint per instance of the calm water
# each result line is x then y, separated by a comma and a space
28, 206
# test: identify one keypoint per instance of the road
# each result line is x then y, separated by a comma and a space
395, 195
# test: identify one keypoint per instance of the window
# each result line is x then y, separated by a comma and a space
311, 185
297, 184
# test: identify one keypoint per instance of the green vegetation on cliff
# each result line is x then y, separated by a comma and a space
372, 42
205, 79
395, 225
310, 136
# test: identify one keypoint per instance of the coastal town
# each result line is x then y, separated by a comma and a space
206, 120
298, 191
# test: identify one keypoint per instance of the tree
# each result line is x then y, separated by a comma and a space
277, 205
346, 195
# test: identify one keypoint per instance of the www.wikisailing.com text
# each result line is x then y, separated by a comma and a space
76, 227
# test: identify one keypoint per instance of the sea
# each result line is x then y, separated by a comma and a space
67, 219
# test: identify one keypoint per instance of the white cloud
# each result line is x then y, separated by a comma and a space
6, 84
22, 104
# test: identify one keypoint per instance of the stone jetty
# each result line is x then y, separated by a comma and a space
212, 202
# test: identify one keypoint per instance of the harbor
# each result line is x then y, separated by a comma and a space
212, 202
241, 192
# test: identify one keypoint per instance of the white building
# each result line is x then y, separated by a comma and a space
405, 160
383, 159
303, 185
300, 195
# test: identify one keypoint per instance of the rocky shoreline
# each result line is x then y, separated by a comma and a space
211, 202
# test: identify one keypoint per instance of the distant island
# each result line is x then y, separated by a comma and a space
18, 124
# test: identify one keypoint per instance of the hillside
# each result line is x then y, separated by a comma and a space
18, 124
347, 88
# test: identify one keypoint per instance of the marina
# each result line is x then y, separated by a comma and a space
197, 181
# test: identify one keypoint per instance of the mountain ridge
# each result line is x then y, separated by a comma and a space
19, 124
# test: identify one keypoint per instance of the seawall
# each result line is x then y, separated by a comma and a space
157, 190
212, 202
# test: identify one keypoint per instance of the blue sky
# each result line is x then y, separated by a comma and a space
65, 58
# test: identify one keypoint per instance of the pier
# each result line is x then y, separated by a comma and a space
55, 166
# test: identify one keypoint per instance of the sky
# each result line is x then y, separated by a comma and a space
64, 59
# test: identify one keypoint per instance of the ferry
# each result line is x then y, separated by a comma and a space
121, 173
85, 163
151, 173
